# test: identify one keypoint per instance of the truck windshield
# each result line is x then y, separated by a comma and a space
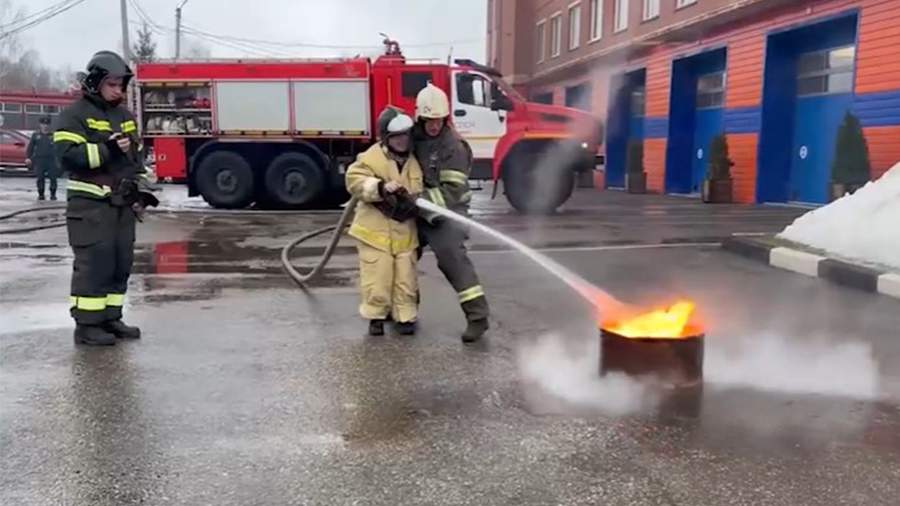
508, 90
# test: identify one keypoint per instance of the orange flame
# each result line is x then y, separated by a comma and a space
665, 323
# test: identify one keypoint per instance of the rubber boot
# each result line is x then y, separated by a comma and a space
406, 328
475, 330
376, 327
53, 197
41, 197
120, 330
93, 335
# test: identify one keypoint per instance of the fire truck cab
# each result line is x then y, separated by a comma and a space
280, 133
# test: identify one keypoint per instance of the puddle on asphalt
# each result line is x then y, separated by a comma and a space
168, 289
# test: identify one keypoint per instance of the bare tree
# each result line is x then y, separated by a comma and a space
21, 67
10, 43
145, 48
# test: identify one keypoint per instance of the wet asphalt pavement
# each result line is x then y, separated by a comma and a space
246, 390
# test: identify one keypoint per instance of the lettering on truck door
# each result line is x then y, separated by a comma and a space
472, 114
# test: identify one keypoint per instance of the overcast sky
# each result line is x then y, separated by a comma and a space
71, 37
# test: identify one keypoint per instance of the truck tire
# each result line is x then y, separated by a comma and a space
536, 190
225, 180
293, 180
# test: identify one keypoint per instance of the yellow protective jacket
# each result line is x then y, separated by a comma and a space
370, 225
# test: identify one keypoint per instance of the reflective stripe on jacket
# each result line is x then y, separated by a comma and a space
370, 225
81, 143
446, 164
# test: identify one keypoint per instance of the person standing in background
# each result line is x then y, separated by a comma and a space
41, 157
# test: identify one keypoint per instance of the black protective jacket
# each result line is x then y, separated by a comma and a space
40, 147
82, 139
446, 162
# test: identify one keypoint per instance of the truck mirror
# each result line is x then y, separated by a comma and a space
501, 103
499, 100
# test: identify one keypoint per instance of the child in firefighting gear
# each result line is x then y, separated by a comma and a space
42, 159
386, 178
446, 163
97, 142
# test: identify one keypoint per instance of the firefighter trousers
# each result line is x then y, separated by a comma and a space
448, 241
102, 238
45, 169
388, 284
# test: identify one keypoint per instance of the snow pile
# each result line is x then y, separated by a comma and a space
174, 197
864, 226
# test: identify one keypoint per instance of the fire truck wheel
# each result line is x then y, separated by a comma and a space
532, 192
293, 180
225, 180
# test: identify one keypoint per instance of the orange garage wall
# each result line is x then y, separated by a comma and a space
742, 149
884, 148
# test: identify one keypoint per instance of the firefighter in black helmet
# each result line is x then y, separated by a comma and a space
97, 142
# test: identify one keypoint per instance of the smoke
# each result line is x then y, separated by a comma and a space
561, 374
601, 84
776, 364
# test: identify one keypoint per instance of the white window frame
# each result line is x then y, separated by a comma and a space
684, 3
574, 28
596, 33
621, 14
651, 9
541, 29
556, 40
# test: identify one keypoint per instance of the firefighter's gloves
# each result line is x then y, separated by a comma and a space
396, 202
118, 144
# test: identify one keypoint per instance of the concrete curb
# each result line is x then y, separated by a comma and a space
837, 271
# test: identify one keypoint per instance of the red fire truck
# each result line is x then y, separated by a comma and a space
281, 133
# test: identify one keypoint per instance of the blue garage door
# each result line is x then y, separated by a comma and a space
707, 122
638, 108
824, 94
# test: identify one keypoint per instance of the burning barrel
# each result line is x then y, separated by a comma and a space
661, 346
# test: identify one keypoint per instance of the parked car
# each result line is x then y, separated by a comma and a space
12, 149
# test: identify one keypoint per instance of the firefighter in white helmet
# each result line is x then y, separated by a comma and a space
446, 161
386, 178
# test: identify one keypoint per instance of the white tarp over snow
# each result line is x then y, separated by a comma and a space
864, 226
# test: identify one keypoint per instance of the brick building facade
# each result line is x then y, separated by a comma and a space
775, 76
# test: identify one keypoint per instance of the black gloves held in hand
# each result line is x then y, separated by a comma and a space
398, 206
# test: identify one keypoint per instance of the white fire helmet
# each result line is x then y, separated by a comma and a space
392, 121
432, 103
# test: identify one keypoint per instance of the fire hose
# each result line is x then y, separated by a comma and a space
22, 230
343, 222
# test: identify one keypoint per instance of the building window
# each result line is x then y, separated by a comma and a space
574, 26
638, 101
684, 3
12, 107
621, 15
541, 38
51, 109
826, 72
596, 19
579, 96
651, 9
543, 98
711, 90
411, 83
555, 35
